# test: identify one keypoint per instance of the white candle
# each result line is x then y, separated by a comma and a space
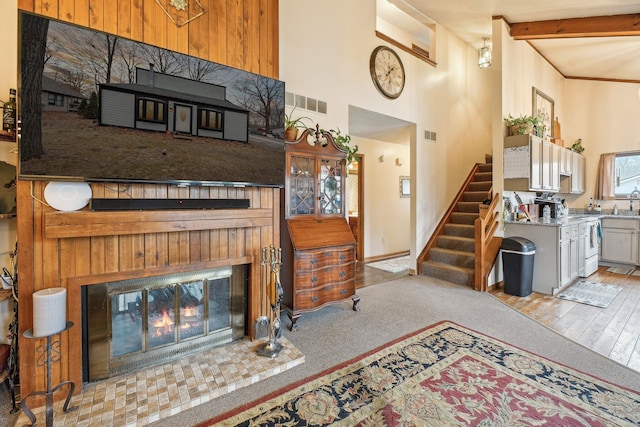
49, 311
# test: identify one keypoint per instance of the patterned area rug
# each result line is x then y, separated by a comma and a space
621, 270
394, 265
591, 293
444, 375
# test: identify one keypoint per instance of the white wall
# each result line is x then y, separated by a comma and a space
606, 115
324, 53
8, 80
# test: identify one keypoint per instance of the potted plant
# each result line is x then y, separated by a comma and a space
524, 125
577, 146
344, 142
292, 124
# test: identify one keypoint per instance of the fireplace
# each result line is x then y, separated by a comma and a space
136, 323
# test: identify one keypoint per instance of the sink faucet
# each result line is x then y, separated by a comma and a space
635, 194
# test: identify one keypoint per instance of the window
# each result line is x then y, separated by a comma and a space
151, 110
56, 100
627, 174
210, 119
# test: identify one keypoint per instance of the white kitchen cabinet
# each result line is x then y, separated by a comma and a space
523, 163
555, 167
556, 261
565, 161
569, 247
578, 173
620, 241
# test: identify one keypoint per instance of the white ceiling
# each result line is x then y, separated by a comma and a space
615, 58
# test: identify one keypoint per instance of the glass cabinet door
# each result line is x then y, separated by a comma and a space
302, 181
331, 181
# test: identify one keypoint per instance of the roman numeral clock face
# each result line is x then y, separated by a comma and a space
387, 72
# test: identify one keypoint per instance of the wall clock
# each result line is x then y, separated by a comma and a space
387, 72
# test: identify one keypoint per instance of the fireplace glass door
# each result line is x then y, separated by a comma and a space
161, 318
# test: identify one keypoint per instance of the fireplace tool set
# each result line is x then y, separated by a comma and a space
270, 325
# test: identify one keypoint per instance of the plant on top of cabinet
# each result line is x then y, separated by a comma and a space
577, 146
344, 142
292, 124
523, 125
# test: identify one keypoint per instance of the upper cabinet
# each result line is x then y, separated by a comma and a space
315, 180
532, 164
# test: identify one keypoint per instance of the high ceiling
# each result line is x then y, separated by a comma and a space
609, 58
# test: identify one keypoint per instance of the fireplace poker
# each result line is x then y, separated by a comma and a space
272, 348
261, 325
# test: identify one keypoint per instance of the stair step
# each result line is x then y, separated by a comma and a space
462, 230
458, 243
464, 217
468, 207
480, 185
474, 196
488, 158
485, 167
450, 273
483, 176
453, 257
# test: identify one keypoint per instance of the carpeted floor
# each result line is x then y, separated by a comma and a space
390, 310
444, 375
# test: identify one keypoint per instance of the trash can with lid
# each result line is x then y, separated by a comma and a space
517, 261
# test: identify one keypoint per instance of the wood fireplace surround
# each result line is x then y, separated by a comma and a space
75, 249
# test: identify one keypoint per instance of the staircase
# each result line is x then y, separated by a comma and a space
451, 253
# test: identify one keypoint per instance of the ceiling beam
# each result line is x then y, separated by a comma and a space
596, 26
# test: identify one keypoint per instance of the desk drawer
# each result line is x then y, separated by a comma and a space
309, 299
311, 260
323, 276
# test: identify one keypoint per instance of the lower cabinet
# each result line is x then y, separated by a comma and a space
557, 261
569, 247
620, 240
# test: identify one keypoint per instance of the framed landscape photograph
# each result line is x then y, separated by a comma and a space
543, 109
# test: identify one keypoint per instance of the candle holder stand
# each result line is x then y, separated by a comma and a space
49, 352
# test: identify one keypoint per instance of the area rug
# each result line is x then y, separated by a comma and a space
393, 265
444, 375
621, 270
591, 293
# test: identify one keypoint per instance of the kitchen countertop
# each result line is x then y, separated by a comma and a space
573, 219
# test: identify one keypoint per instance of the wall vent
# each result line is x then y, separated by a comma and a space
305, 103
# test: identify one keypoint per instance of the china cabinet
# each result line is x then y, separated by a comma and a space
317, 242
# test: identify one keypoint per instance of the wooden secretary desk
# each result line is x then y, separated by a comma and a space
318, 247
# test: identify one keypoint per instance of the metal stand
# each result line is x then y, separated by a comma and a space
272, 348
48, 353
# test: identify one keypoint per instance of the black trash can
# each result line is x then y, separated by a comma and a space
517, 264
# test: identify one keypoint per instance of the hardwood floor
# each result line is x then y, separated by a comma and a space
613, 331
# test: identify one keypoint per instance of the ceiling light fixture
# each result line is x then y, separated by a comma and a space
181, 11
484, 54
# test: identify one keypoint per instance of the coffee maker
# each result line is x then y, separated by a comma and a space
555, 205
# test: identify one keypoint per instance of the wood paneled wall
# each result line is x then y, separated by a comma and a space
71, 249
238, 33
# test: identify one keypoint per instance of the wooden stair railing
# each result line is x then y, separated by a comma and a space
445, 219
487, 245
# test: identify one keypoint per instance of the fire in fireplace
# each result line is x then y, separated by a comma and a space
135, 323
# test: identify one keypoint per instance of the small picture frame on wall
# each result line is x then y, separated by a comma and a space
405, 186
543, 109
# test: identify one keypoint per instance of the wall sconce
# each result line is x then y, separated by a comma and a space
399, 161
484, 54
381, 158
